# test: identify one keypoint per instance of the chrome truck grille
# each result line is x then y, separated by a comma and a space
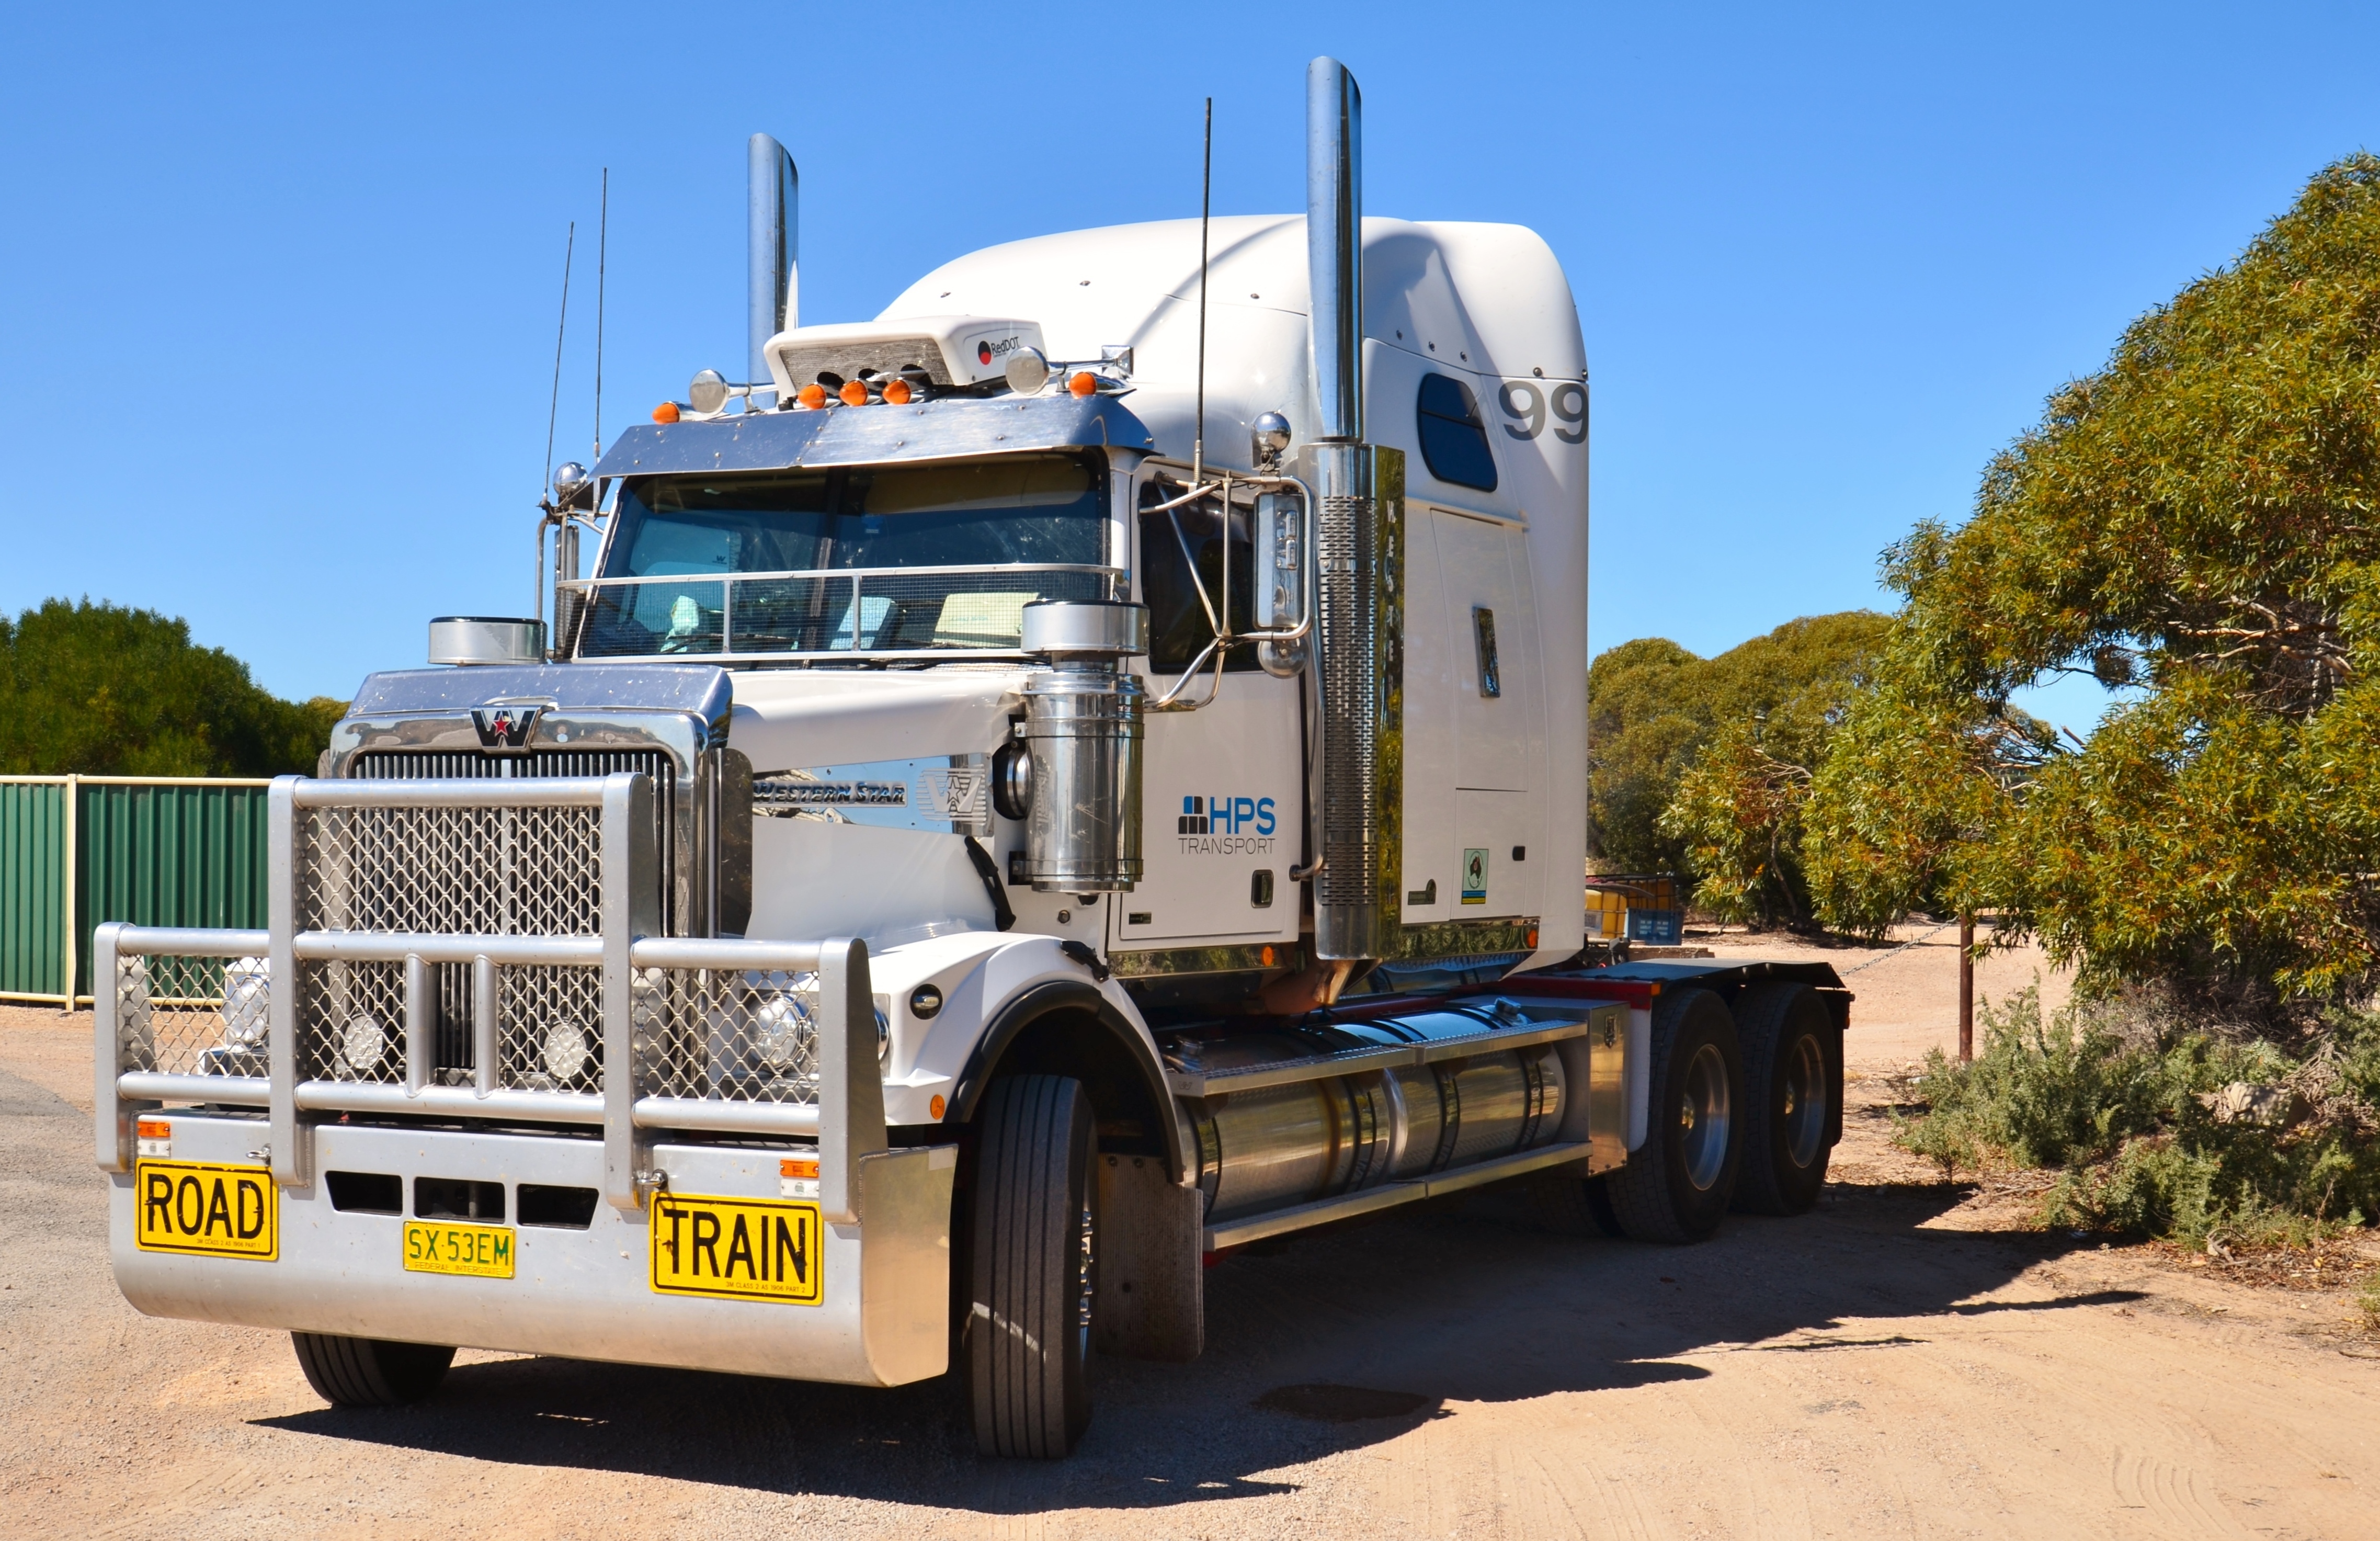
582, 720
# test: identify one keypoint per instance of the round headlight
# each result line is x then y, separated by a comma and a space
785, 1033
565, 1050
363, 1044
246, 1008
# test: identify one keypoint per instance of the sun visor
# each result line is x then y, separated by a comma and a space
945, 429
698, 689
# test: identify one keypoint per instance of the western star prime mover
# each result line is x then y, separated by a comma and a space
1033, 791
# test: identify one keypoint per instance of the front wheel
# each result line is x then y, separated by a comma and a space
368, 1372
1677, 1185
1033, 1270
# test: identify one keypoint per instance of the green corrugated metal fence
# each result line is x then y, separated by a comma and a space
159, 851
33, 887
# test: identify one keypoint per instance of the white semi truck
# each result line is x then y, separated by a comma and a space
1080, 773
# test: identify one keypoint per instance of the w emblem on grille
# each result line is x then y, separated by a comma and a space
505, 727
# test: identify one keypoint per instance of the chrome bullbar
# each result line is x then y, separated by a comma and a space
545, 890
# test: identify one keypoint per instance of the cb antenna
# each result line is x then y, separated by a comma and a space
1206, 205
602, 248
553, 407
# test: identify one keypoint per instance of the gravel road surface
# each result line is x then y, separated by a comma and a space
1908, 1361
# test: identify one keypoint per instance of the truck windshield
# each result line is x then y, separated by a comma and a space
921, 559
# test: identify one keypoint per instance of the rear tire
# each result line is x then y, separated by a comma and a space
1792, 1094
370, 1372
1677, 1186
1033, 1267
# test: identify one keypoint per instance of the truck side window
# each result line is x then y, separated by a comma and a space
1453, 440
1177, 622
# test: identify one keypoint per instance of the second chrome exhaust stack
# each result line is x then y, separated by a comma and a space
774, 275
1357, 787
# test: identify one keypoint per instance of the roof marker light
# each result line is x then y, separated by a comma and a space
896, 393
1084, 384
665, 413
854, 394
812, 396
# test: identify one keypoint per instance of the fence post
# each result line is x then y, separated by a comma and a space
74, 789
1966, 986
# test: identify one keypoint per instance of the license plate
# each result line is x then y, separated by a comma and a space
449, 1246
214, 1211
737, 1249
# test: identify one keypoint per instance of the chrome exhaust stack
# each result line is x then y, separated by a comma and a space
776, 223
1358, 791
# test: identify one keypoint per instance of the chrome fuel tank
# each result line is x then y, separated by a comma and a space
1324, 1134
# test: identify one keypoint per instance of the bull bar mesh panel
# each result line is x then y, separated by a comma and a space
172, 1016
476, 871
739, 1035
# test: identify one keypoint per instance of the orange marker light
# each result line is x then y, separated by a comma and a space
1533, 936
854, 394
936, 1107
1267, 957
665, 413
155, 1129
812, 396
1084, 384
798, 1166
896, 393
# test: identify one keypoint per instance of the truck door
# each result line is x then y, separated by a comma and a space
1222, 798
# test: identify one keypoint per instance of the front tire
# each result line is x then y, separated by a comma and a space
370, 1372
1033, 1267
1792, 1094
1569, 1204
1676, 1188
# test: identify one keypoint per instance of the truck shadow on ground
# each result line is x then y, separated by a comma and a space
1325, 1343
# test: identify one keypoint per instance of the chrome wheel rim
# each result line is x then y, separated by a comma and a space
1703, 1117
1806, 1101
1086, 1284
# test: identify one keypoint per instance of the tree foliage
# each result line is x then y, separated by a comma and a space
1678, 745
105, 690
2194, 520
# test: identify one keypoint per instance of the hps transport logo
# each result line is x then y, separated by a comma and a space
1226, 826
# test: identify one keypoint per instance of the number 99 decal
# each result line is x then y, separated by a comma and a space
1527, 404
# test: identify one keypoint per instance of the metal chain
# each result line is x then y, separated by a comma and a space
1904, 947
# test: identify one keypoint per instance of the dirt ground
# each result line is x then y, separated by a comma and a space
1910, 1360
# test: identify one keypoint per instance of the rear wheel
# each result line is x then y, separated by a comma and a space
1033, 1267
1793, 1091
370, 1372
1676, 1187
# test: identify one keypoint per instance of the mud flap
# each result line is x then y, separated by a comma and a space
1152, 1299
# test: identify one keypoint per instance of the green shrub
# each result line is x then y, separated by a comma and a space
2113, 1106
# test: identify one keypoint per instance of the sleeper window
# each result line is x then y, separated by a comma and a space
1453, 440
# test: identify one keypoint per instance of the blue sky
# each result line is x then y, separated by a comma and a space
278, 287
